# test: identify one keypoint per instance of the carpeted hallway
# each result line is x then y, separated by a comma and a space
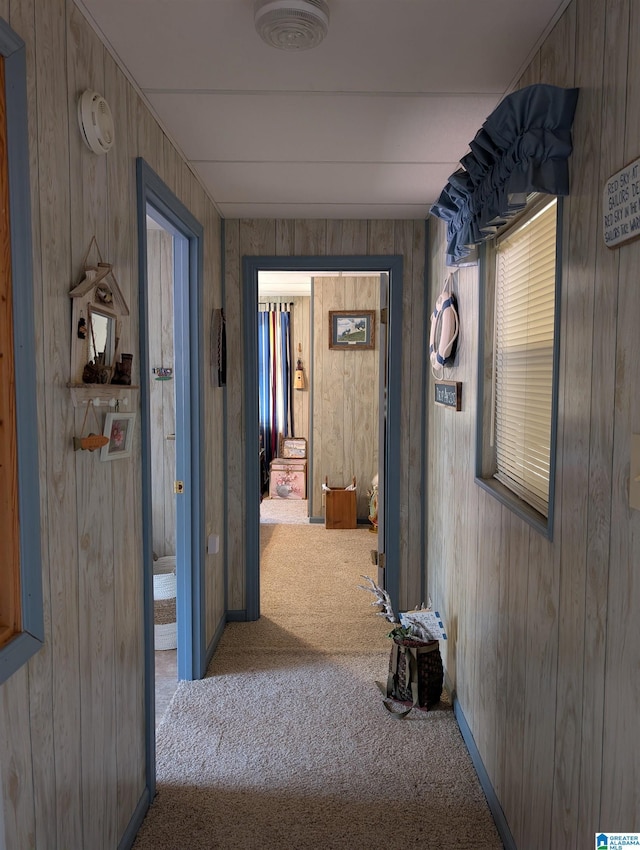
286, 744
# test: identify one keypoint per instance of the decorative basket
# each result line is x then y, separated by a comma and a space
416, 674
165, 636
164, 577
164, 605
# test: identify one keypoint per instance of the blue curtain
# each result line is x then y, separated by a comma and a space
274, 379
522, 147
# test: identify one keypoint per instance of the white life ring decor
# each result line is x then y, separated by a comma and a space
445, 326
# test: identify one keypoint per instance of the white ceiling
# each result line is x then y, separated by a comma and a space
369, 124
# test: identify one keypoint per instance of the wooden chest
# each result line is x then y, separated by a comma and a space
288, 478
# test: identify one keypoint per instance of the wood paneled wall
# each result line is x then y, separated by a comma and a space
72, 748
311, 237
544, 637
345, 394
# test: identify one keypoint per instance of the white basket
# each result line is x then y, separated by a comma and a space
165, 637
164, 578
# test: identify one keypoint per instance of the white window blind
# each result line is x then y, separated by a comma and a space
523, 356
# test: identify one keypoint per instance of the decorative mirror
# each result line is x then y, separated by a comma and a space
98, 304
102, 339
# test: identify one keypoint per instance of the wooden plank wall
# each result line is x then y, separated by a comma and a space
288, 237
345, 394
72, 753
544, 646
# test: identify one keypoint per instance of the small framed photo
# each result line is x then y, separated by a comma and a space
118, 427
350, 329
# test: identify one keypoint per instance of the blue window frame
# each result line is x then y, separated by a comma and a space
28, 639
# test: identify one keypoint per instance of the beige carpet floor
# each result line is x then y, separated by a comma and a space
284, 511
286, 743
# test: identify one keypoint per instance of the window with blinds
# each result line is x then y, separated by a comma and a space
523, 355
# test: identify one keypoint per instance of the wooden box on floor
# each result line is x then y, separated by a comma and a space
340, 507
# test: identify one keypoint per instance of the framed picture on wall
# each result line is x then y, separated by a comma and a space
118, 427
351, 329
293, 447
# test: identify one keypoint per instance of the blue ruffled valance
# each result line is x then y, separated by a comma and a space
522, 147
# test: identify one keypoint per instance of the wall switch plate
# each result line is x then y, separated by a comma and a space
213, 544
634, 473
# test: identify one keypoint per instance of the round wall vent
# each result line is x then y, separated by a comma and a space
291, 24
96, 122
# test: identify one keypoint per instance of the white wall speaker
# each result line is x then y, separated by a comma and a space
96, 122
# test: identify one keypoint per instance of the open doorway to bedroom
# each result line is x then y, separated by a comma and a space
318, 404
349, 407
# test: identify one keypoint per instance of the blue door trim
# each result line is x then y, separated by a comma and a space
154, 196
393, 265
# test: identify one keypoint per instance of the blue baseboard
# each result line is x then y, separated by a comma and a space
494, 804
238, 616
215, 640
126, 842
319, 520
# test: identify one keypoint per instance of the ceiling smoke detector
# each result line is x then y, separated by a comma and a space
291, 24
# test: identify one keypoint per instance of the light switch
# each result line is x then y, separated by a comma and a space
634, 476
213, 544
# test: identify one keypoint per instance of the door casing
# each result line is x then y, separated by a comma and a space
393, 266
169, 211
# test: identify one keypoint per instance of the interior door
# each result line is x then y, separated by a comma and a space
382, 425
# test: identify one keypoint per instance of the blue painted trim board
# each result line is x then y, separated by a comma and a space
492, 799
237, 616
393, 265
426, 368
312, 354
225, 437
147, 545
129, 835
26, 644
252, 428
215, 640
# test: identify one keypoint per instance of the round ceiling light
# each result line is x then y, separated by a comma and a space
292, 24
96, 122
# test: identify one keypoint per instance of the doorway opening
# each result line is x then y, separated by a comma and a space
170, 272
387, 271
162, 438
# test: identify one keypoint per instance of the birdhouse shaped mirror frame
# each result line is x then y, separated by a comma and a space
96, 327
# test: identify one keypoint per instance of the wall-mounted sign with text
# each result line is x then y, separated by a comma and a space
449, 394
621, 206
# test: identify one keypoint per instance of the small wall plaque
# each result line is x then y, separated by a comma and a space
449, 394
621, 206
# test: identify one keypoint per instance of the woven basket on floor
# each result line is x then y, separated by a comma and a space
165, 636
165, 633
164, 577
416, 674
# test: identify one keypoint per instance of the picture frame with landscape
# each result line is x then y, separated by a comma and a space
351, 329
